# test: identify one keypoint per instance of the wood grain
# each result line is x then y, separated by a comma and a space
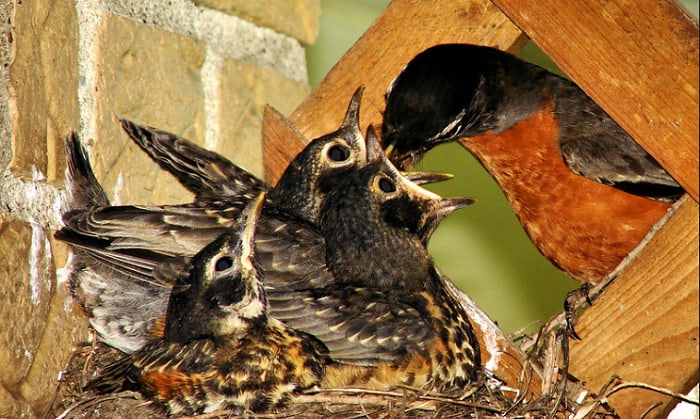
638, 59
279, 133
644, 328
404, 29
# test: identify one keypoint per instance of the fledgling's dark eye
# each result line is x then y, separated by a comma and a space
386, 185
338, 153
225, 262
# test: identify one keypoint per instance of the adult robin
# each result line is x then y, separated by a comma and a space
584, 191
220, 349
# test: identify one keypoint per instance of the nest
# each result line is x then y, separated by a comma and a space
486, 399
560, 396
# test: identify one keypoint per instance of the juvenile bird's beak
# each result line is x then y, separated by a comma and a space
404, 161
374, 149
425, 178
249, 219
438, 211
375, 153
350, 128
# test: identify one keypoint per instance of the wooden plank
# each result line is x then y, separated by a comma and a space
278, 130
638, 59
407, 27
644, 328
404, 29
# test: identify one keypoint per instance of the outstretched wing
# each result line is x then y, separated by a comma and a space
205, 173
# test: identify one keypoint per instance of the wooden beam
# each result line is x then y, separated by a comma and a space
404, 29
644, 328
638, 59
666, 85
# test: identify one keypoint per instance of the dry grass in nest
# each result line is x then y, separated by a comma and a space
486, 400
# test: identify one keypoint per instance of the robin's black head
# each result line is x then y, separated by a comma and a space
297, 190
446, 92
222, 293
376, 224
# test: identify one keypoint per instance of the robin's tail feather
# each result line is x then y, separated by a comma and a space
83, 188
121, 308
119, 376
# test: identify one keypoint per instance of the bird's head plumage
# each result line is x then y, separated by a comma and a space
343, 149
438, 97
377, 222
222, 293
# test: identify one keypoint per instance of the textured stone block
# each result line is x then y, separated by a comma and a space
26, 288
44, 82
296, 18
41, 323
244, 91
153, 77
9, 407
66, 327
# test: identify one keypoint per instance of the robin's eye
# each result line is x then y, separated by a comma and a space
386, 185
224, 263
338, 153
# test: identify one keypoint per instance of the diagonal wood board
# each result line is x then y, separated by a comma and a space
670, 134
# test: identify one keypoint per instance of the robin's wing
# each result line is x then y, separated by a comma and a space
593, 145
130, 238
205, 173
291, 253
356, 324
622, 164
126, 260
140, 266
172, 366
167, 230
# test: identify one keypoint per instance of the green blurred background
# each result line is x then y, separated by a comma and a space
481, 248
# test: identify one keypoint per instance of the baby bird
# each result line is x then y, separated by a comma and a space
126, 255
220, 349
397, 321
585, 192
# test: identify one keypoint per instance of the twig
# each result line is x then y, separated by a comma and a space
423, 397
564, 373
96, 400
650, 387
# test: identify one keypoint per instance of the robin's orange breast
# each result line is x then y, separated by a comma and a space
584, 227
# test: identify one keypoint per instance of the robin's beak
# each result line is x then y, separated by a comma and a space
402, 161
436, 212
425, 178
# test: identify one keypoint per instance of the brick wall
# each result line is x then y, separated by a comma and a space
203, 69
